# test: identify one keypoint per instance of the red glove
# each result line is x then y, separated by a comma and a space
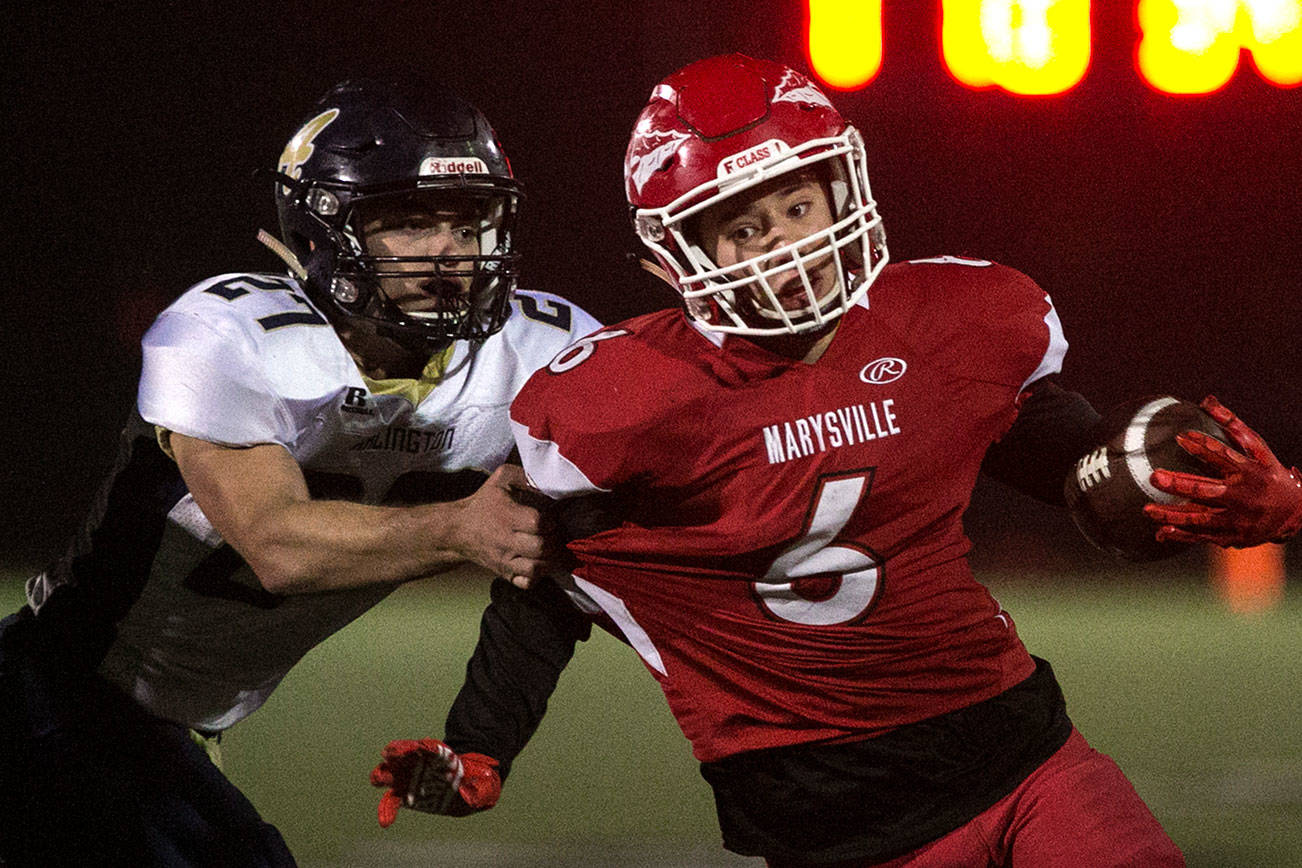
427, 775
1255, 500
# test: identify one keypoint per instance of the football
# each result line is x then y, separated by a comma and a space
1109, 486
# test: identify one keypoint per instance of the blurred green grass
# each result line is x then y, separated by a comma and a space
1201, 708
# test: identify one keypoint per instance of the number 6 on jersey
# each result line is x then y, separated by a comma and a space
815, 581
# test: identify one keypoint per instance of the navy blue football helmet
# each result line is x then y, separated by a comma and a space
371, 147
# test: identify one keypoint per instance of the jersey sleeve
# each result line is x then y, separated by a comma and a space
549, 321
204, 381
556, 446
986, 321
1018, 320
580, 421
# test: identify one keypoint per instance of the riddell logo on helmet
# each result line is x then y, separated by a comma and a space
751, 157
453, 166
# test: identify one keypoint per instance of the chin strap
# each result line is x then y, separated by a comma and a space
659, 271
276, 246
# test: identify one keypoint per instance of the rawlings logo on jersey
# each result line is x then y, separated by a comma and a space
845, 426
300, 147
885, 370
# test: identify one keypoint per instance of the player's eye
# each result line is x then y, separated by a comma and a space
742, 233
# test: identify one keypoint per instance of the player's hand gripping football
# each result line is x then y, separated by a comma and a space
1255, 500
427, 775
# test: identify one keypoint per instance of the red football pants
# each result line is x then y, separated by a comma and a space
1076, 809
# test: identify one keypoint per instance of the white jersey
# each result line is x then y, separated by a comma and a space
244, 359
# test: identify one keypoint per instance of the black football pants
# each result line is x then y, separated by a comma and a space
87, 777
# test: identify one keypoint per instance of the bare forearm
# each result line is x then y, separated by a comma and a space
328, 545
258, 500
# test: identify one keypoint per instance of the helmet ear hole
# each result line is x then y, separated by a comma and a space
298, 244
319, 265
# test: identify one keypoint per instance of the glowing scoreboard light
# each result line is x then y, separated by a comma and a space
1039, 47
1029, 47
1194, 47
845, 36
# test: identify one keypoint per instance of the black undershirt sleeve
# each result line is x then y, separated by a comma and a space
1053, 429
526, 638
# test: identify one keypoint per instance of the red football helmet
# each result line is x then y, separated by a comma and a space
722, 126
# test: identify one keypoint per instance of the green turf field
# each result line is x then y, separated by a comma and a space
1203, 709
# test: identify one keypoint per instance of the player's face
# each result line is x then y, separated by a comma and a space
765, 219
424, 233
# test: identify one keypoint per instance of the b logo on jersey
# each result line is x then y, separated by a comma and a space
355, 402
300, 147
885, 370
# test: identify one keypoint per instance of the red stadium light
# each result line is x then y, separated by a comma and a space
1041, 47
1193, 46
844, 41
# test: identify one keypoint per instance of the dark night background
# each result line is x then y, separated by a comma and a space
1166, 229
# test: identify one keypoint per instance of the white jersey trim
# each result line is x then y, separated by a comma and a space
618, 612
1055, 352
548, 470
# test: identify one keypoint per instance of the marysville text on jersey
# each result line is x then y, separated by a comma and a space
845, 426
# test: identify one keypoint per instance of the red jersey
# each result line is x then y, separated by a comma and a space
791, 565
